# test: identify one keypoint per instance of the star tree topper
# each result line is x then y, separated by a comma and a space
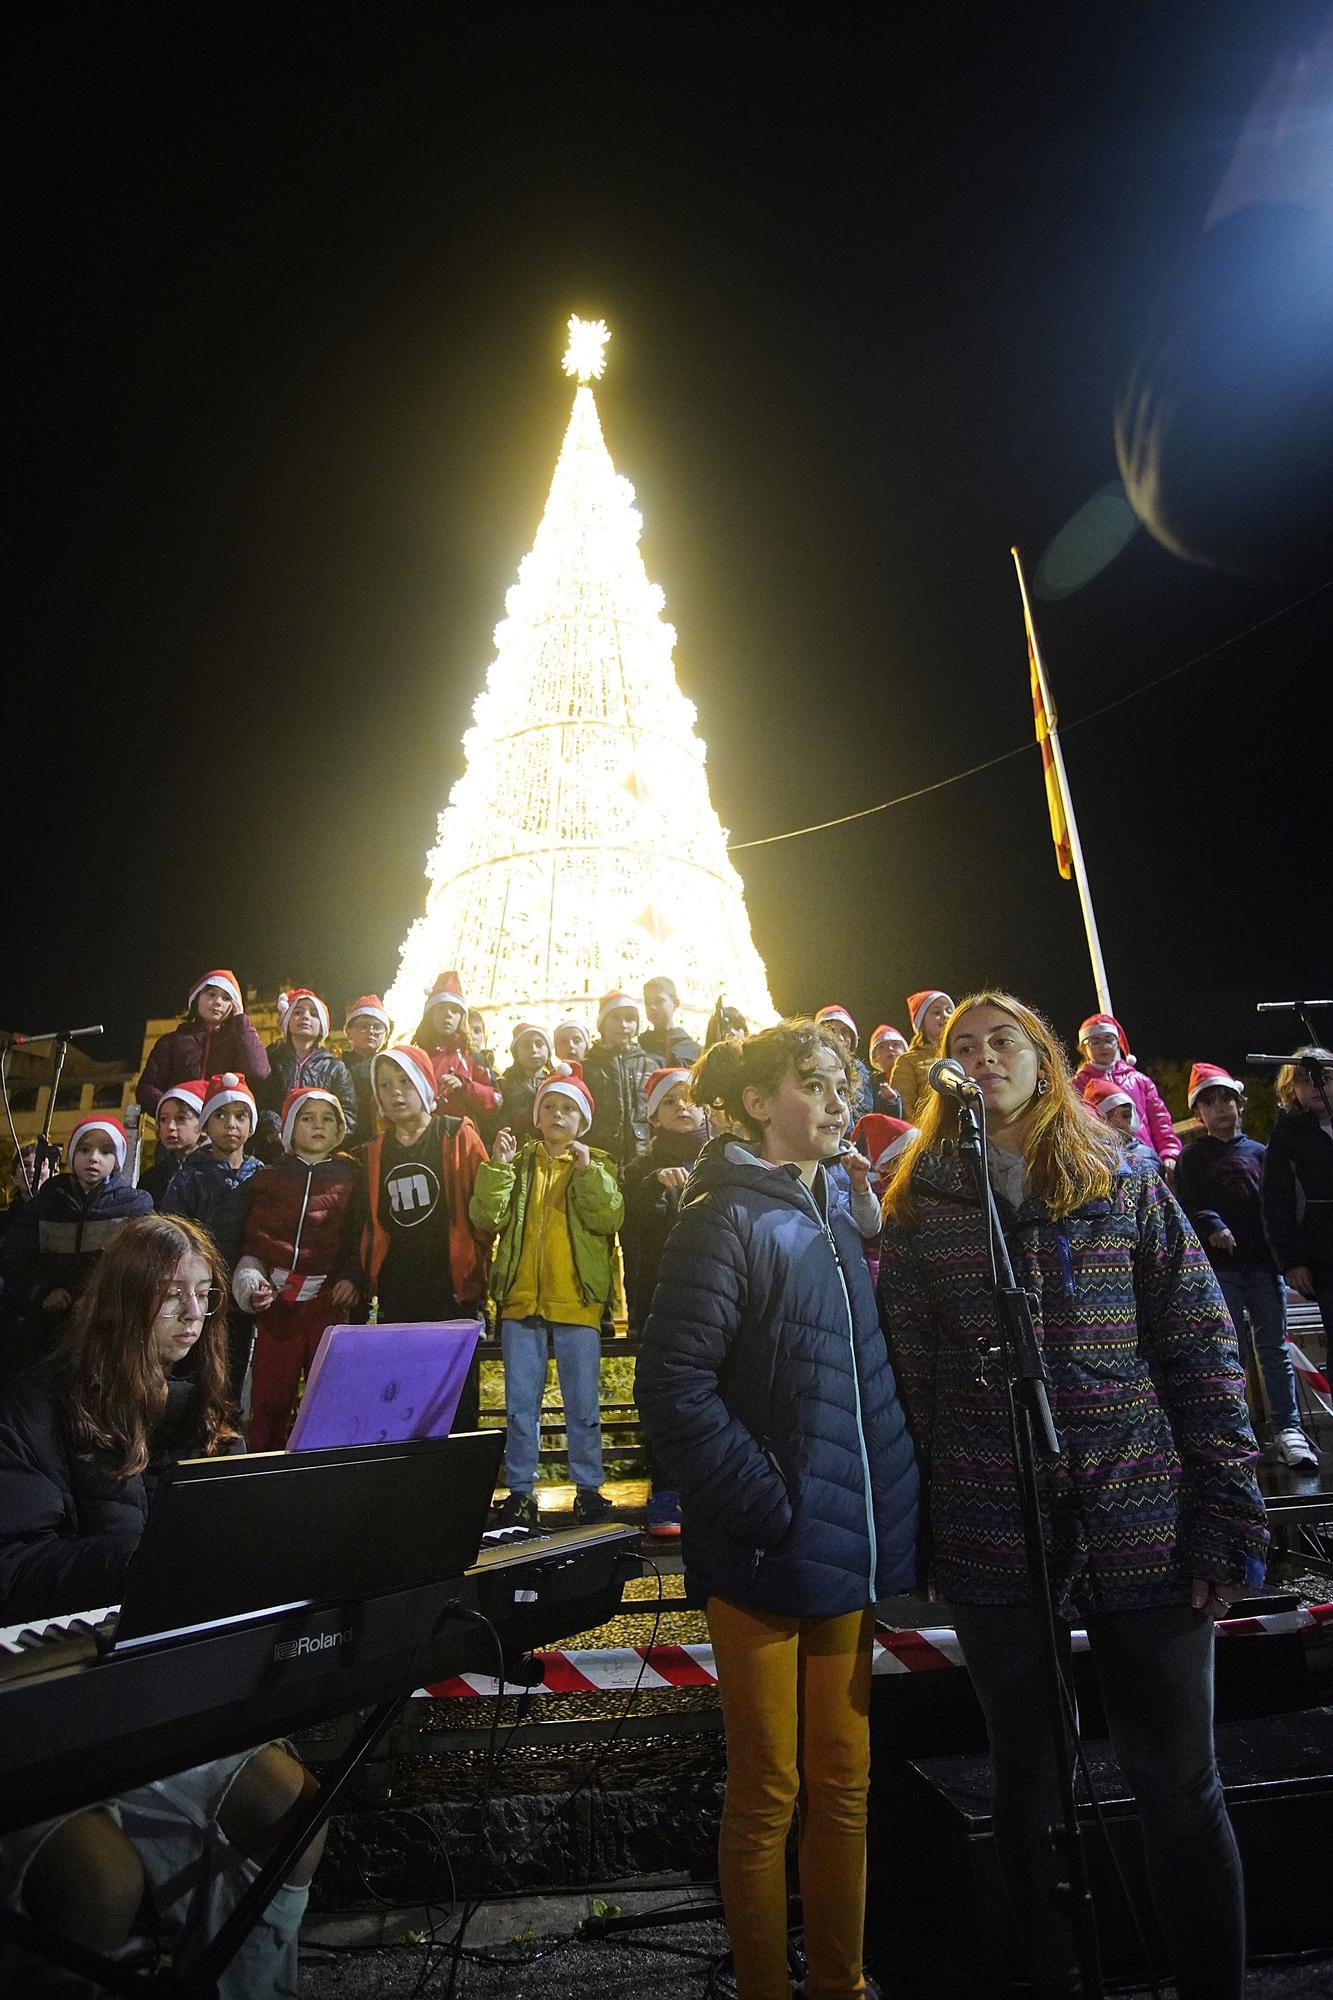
585, 356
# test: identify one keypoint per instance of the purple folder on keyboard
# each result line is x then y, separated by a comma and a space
381, 1384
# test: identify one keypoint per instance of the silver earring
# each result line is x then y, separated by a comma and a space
1043, 1085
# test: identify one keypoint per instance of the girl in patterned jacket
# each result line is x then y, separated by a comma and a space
1153, 1521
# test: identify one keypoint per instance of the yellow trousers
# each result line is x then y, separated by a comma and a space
796, 1706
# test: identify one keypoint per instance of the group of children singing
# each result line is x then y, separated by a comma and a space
809, 1377
418, 1179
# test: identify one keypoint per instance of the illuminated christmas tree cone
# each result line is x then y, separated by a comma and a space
580, 851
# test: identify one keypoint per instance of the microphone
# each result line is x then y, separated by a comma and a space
53, 1035
948, 1079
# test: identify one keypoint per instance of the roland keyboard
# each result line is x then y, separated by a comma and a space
82, 1718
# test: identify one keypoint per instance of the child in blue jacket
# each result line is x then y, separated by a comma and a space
769, 1404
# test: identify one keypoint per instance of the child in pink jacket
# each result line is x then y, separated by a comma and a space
1104, 1047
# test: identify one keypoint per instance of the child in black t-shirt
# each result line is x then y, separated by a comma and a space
419, 1254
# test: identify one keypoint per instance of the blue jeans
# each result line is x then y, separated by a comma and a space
1155, 1669
578, 1363
1255, 1290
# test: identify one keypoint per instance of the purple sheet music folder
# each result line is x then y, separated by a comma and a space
381, 1384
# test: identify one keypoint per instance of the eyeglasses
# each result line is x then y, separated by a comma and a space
202, 1300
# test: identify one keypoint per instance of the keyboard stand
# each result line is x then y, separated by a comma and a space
199, 1982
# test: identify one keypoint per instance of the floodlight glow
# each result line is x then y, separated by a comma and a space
579, 850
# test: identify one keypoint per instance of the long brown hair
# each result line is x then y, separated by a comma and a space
1071, 1157
119, 1390
723, 1074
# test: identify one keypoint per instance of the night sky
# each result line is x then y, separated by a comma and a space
284, 394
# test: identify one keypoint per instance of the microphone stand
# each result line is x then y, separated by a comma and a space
1032, 1434
60, 1039
1319, 1073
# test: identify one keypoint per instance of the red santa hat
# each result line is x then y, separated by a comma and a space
610, 1001
228, 1087
527, 1028
306, 1094
1102, 1096
828, 1015
229, 984
1106, 1021
1211, 1076
881, 1138
372, 1007
99, 1122
572, 1087
569, 1022
415, 1064
882, 1034
288, 1002
920, 1004
191, 1093
658, 1083
446, 992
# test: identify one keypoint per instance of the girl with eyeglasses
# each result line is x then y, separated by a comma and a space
1151, 1515
84, 1437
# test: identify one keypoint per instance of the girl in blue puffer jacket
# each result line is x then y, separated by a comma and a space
769, 1404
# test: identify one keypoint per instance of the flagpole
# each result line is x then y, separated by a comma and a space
1057, 758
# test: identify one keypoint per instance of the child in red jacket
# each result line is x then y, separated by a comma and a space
296, 1240
463, 1084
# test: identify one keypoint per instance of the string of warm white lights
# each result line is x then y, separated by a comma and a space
579, 850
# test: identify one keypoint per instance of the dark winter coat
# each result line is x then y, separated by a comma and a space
768, 1399
1217, 1185
616, 1078
670, 1048
68, 1530
59, 1235
862, 1087
216, 1196
192, 1050
319, 1070
1156, 1482
158, 1178
1297, 1192
367, 1112
887, 1099
518, 1092
650, 1216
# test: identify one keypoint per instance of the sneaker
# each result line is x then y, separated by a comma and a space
1295, 1449
591, 1506
663, 1515
516, 1510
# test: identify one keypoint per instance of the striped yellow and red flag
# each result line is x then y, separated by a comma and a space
1043, 715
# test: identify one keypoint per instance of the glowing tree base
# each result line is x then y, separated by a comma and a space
580, 850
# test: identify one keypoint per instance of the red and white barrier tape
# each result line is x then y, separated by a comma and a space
1315, 1381
618, 1669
